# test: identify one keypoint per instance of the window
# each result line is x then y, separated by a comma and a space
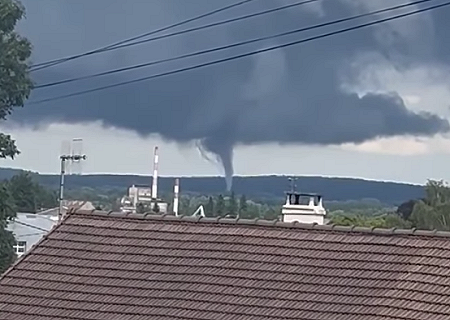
20, 247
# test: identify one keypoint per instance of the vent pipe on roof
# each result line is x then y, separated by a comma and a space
176, 192
155, 175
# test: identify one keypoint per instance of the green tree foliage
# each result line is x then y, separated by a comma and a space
29, 196
381, 221
232, 205
105, 197
406, 208
433, 212
20, 193
396, 221
220, 205
243, 206
46, 198
15, 88
15, 82
271, 214
7, 241
23, 190
209, 208
430, 213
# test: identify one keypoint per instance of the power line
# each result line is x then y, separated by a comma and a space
241, 55
207, 26
31, 226
43, 65
231, 45
29, 234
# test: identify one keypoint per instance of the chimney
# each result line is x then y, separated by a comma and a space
155, 175
176, 192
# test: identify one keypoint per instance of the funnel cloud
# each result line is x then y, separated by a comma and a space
292, 95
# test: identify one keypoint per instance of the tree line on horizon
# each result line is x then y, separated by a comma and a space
22, 193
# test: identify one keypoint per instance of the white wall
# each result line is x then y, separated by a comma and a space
303, 218
30, 228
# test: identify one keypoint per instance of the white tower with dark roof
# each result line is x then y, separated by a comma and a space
303, 207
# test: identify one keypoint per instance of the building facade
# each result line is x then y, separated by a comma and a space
29, 228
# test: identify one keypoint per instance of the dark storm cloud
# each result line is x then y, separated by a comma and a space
287, 96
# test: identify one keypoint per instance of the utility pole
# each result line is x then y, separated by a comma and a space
64, 158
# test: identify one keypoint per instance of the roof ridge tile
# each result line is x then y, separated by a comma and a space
167, 217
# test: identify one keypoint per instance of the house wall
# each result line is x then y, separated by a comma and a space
29, 228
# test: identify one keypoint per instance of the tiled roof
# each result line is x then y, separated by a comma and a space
102, 266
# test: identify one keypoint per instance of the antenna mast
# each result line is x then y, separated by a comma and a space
73, 157
293, 185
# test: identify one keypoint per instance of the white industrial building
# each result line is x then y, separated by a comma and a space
146, 196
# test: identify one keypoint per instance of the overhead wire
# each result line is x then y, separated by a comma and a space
29, 234
215, 24
255, 52
238, 44
47, 64
31, 226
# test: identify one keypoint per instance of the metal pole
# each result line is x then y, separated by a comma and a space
64, 158
61, 187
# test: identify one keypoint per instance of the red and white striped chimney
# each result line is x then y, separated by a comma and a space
176, 192
155, 175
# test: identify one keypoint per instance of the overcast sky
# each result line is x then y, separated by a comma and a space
370, 103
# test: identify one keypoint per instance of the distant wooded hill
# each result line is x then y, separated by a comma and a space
264, 187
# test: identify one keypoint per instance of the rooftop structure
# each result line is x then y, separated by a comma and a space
303, 207
100, 265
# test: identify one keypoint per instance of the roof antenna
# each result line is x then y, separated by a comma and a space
292, 183
70, 154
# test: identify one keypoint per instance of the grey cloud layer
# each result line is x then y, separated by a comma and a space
288, 96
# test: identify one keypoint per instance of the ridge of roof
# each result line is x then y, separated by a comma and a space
263, 223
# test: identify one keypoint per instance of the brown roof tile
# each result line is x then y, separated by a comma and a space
102, 266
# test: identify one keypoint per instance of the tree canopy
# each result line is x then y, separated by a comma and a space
15, 81
29, 196
433, 212
15, 88
7, 241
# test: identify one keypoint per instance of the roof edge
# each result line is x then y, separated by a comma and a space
264, 223
24, 256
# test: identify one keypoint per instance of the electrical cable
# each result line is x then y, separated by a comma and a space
31, 226
43, 65
238, 44
321, 36
29, 234
209, 26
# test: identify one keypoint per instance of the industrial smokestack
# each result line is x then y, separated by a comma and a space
176, 192
155, 175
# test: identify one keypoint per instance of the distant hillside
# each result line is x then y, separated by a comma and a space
267, 187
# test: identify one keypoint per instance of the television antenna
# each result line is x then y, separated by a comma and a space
293, 184
71, 157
